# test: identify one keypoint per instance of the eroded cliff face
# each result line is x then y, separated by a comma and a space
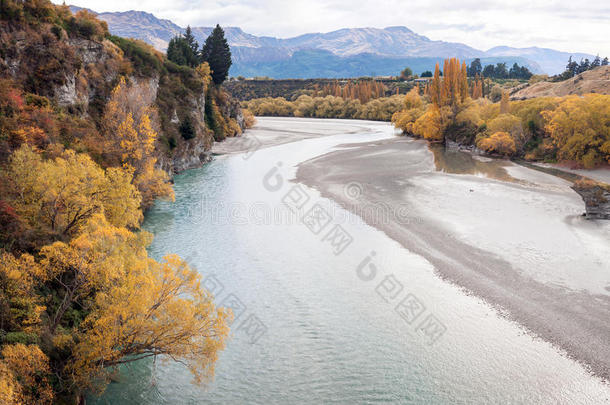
191, 153
232, 109
78, 75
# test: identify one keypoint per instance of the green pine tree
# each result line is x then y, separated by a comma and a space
190, 40
182, 50
217, 53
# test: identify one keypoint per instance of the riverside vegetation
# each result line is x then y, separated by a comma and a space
469, 111
91, 127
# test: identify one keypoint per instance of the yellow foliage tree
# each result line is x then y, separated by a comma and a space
435, 87
154, 183
24, 375
59, 195
94, 260
414, 108
507, 123
504, 103
580, 128
131, 138
10, 389
429, 125
158, 309
20, 306
205, 74
463, 82
413, 99
500, 142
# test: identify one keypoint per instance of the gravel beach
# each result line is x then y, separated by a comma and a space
517, 240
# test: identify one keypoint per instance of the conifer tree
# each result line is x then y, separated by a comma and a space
217, 53
190, 40
182, 50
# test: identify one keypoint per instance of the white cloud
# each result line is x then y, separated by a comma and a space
559, 24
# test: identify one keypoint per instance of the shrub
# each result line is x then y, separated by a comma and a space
249, 119
500, 142
496, 93
187, 130
145, 59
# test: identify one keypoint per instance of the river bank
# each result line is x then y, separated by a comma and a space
518, 243
265, 134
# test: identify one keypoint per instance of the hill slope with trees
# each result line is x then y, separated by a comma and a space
91, 128
596, 80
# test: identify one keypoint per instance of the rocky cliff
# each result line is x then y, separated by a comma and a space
76, 70
596, 197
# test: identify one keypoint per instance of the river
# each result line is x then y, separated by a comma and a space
318, 321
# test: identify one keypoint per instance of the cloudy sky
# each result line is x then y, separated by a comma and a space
567, 25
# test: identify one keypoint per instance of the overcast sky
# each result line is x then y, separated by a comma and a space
567, 25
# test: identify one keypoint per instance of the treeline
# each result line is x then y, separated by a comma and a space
379, 109
476, 69
291, 89
499, 71
362, 90
184, 50
79, 295
574, 68
571, 128
461, 109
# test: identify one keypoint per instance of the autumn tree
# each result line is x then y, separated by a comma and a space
435, 87
477, 88
133, 307
158, 310
580, 128
499, 142
20, 306
429, 125
129, 122
58, 196
504, 103
93, 261
205, 74
24, 375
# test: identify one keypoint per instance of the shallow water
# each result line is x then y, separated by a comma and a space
533, 215
460, 162
332, 326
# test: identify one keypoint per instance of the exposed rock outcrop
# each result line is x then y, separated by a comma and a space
232, 109
596, 197
188, 155
78, 74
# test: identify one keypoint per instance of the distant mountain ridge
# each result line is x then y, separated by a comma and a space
274, 57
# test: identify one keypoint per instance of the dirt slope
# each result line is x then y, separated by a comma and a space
591, 81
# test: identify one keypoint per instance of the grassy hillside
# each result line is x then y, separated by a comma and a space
592, 81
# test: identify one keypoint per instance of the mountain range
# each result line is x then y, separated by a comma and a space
348, 52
